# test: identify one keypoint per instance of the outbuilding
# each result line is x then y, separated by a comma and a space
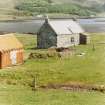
11, 51
84, 38
59, 33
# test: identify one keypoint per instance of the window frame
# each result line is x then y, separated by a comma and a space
72, 40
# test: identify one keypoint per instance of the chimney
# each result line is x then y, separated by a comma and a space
46, 19
74, 19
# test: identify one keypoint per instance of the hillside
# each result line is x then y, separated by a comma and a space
19, 8
75, 7
84, 2
7, 3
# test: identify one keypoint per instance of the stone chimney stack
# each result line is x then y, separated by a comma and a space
46, 19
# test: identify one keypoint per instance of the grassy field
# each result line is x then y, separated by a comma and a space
13, 95
88, 69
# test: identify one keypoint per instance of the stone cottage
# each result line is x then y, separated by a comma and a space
59, 33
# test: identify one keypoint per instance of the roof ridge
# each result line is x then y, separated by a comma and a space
65, 27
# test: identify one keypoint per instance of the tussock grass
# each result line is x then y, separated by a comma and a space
88, 69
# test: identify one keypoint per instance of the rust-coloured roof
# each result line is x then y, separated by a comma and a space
9, 42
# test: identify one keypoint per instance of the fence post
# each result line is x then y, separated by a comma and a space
93, 48
34, 83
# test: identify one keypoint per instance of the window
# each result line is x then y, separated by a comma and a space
72, 40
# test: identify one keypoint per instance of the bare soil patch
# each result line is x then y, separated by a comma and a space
52, 53
75, 87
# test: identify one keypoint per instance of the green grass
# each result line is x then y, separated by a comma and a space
42, 6
13, 95
88, 69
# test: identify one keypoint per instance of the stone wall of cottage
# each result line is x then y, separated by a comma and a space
46, 37
67, 40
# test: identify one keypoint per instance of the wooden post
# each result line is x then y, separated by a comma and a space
34, 83
93, 47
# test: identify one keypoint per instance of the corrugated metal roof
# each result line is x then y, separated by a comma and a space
9, 42
65, 26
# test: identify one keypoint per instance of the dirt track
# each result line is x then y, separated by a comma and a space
75, 87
